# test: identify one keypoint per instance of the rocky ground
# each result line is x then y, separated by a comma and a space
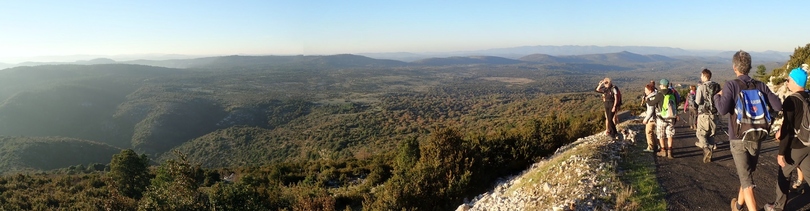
579, 176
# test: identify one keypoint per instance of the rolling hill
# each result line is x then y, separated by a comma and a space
302, 107
19, 154
492, 60
623, 57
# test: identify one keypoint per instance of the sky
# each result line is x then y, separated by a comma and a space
30, 28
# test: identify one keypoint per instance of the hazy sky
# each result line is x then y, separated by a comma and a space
37, 28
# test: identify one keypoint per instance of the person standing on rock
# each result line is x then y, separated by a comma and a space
666, 110
612, 102
650, 118
798, 155
745, 149
707, 114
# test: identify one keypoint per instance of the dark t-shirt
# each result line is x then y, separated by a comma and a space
609, 93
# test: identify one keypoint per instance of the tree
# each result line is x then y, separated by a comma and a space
761, 74
174, 188
801, 55
130, 173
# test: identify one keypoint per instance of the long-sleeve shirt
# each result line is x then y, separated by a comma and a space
792, 110
725, 103
650, 109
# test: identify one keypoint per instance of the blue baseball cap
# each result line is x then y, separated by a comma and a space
799, 76
664, 82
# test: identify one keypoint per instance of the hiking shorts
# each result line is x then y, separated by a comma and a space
664, 128
745, 153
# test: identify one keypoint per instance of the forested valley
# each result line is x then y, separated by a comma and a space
338, 132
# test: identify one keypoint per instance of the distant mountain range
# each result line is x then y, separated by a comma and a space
541, 54
356, 61
568, 50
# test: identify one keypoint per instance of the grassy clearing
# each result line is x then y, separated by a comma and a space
641, 190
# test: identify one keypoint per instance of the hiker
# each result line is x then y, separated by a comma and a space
612, 100
790, 144
690, 108
707, 114
666, 109
650, 118
745, 143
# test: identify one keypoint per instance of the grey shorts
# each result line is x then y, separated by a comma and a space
746, 155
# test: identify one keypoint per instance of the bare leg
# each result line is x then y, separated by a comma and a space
607, 127
750, 201
740, 197
669, 142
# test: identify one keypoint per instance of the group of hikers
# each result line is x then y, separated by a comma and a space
748, 103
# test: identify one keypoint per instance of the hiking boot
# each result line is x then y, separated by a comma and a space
707, 155
735, 206
661, 153
669, 153
648, 150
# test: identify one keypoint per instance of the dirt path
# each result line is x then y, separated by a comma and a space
691, 184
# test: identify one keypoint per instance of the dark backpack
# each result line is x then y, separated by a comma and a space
618, 95
751, 109
803, 133
709, 91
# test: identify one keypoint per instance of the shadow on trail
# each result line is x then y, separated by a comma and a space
691, 184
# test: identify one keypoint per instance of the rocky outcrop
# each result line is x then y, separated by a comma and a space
579, 176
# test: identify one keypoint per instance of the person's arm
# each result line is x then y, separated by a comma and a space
699, 95
786, 132
723, 98
773, 100
600, 88
650, 113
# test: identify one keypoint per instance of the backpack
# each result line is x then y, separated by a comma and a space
709, 91
804, 132
618, 95
751, 109
669, 109
676, 93
690, 100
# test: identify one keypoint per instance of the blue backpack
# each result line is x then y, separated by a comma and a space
751, 109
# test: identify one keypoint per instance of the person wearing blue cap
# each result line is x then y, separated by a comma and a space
797, 152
